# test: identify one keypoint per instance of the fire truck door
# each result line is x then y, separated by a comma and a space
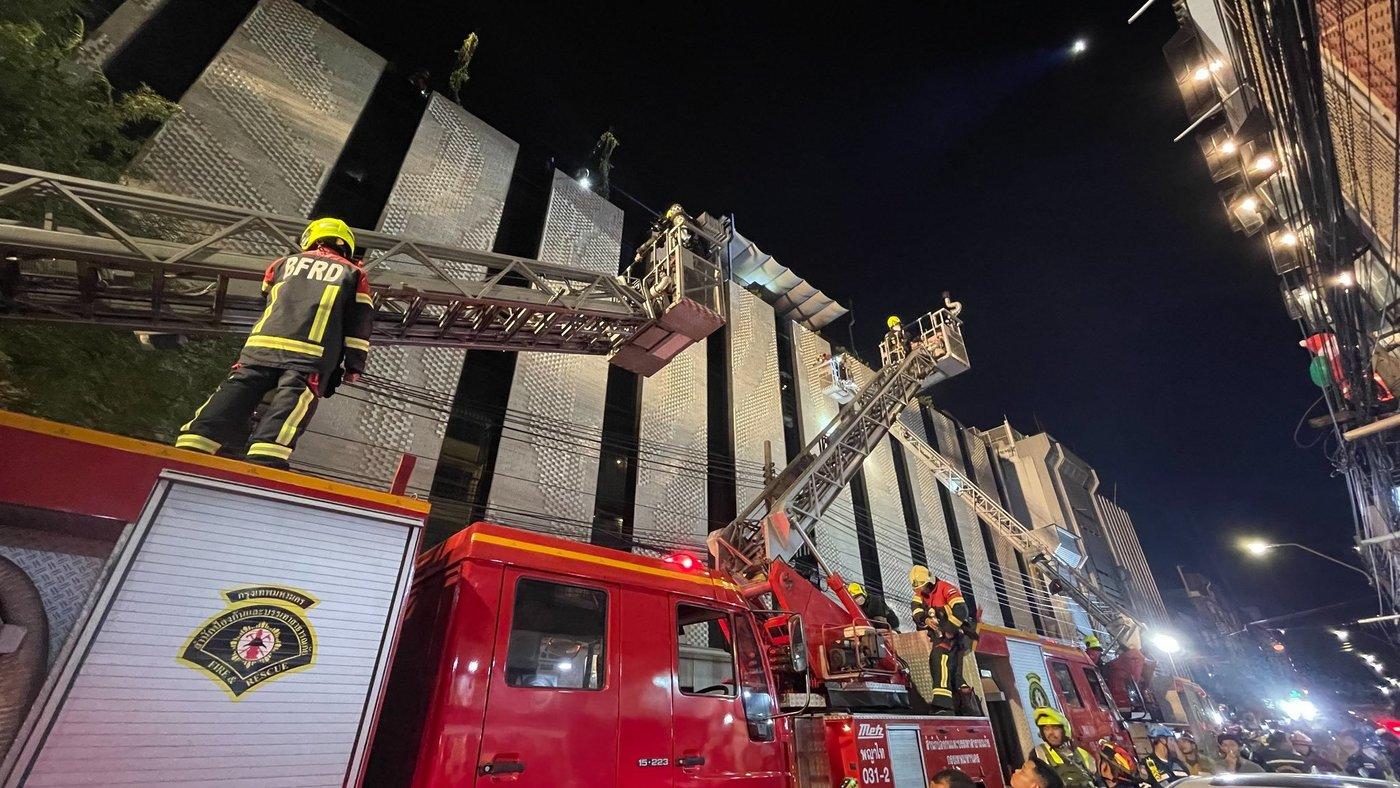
1082, 719
723, 730
552, 707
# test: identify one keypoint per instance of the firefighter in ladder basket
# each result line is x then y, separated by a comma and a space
939, 608
313, 333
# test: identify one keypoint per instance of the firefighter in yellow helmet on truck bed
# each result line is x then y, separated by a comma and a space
314, 331
938, 607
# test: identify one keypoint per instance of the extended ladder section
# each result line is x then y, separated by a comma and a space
1038, 544
776, 524
82, 251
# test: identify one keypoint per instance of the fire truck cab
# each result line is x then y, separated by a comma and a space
531, 660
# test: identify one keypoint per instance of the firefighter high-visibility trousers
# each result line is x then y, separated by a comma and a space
224, 416
945, 665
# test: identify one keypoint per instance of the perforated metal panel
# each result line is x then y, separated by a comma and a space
969, 530
451, 190
886, 511
547, 464
836, 533
673, 456
264, 123
755, 390
125, 709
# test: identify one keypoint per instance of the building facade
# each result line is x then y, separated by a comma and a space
568, 444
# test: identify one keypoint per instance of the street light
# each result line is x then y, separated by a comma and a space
1259, 547
1079, 47
1166, 643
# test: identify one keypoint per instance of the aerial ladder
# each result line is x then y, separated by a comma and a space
1038, 545
74, 250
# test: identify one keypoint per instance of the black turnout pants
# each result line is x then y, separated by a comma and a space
945, 664
224, 416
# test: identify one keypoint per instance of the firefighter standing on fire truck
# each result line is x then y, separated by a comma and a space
939, 608
314, 332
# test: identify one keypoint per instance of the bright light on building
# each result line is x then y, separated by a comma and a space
1216, 65
1298, 709
586, 182
1288, 239
1345, 279
1166, 643
1250, 204
1202, 74
1228, 146
1257, 547
1341, 634
1264, 163
1079, 47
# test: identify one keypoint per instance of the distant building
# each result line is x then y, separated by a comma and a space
1144, 598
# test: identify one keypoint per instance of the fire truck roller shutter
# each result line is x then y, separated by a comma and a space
22, 670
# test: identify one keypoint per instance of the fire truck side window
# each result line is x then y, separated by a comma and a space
705, 661
753, 678
1064, 682
1096, 686
557, 636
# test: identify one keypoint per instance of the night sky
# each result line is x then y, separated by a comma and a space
898, 150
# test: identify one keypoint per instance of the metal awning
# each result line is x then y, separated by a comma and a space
791, 296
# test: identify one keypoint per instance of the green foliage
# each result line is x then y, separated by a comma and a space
99, 378
58, 114
458, 79
61, 116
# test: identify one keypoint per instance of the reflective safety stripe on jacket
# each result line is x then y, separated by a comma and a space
318, 311
1071, 773
944, 602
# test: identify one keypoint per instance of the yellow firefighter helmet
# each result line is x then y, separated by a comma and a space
321, 229
1092, 641
855, 589
1047, 716
918, 576
892, 321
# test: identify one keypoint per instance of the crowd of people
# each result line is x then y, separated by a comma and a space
1175, 755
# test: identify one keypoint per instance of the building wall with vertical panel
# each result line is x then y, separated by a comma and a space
969, 531
547, 464
672, 502
1146, 597
755, 390
451, 190
266, 120
1003, 555
886, 508
836, 532
928, 502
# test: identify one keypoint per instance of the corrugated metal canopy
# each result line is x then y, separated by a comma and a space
791, 296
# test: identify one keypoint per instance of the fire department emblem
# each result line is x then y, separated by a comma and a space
262, 635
